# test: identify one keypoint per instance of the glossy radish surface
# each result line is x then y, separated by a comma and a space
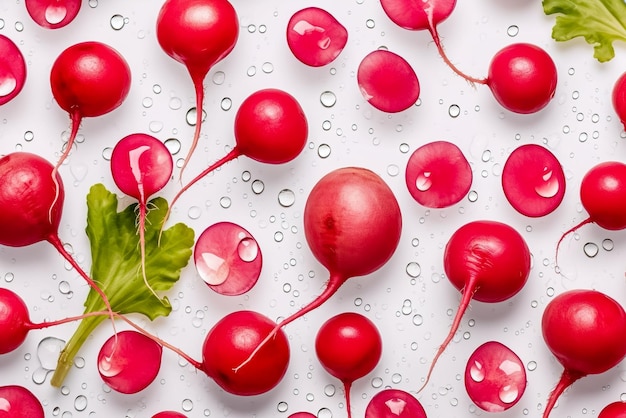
352, 330
533, 180
228, 258
615, 409
129, 361
584, 330
394, 403
12, 70
14, 320
438, 175
487, 261
198, 34
387, 81
315, 37
19, 402
302, 415
53, 14
232, 340
169, 414
618, 98
522, 78
495, 377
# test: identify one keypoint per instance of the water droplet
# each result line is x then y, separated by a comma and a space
191, 115
226, 104
156, 89
472, 196
194, 212
413, 269
117, 22
608, 245
286, 198
29, 136
393, 170
454, 111
418, 320
147, 102
508, 394
267, 67
8, 83
328, 99
225, 202
323, 151
282, 406
219, 77
326, 125
251, 71
9, 277
549, 185
477, 372
187, 405
591, 249
512, 30
55, 14
423, 181
173, 145
370, 24
213, 269
258, 186
248, 249
155, 126
80, 403
176, 103
48, 352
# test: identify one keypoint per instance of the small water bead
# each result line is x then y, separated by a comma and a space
571, 71
404, 148
591, 249
190, 117
258, 186
225, 202
64, 287
219, 77
328, 99
286, 198
454, 111
267, 67
156, 89
413, 269
324, 413
29, 136
531, 365
117, 22
607, 244
377, 382
418, 320
80, 403
278, 236
396, 378
575, 95
583, 136
472, 196
512, 31
246, 176
19, 26
2, 23
194, 212
155, 126
251, 28
406, 307
176, 103
393, 170
370, 24
323, 151
226, 104
187, 405
326, 125
9, 277
282, 406
173, 145
251, 71
147, 102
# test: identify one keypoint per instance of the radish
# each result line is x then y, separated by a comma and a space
129, 361
198, 34
618, 98
394, 403
169, 414
387, 81
495, 378
53, 14
352, 330
438, 175
302, 415
533, 180
12, 70
17, 401
228, 258
141, 166
315, 37
614, 410
584, 329
487, 261
352, 224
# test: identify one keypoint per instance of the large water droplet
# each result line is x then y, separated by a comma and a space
423, 182
508, 394
248, 249
549, 185
8, 83
55, 14
48, 352
286, 198
396, 406
214, 270
477, 372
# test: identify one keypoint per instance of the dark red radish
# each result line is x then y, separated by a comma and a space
394, 403
129, 361
584, 329
169, 414
315, 37
141, 165
302, 415
359, 333
533, 180
88, 79
387, 81
522, 78
198, 34
615, 409
438, 175
12, 70
487, 261
618, 98
352, 224
17, 401
53, 14
495, 378
228, 258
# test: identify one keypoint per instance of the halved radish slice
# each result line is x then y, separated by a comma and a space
228, 258
438, 175
52, 14
17, 401
315, 37
12, 70
533, 180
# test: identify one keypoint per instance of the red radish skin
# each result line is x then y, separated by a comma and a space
129, 361
394, 403
53, 14
522, 78
614, 410
302, 415
228, 258
533, 181
12, 70
584, 330
17, 401
315, 37
495, 378
438, 175
197, 34
487, 261
618, 98
387, 81
352, 224
169, 414
352, 330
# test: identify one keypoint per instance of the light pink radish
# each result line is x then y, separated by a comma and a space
198, 34
12, 70
394, 403
17, 401
615, 409
438, 175
618, 98
315, 37
533, 180
584, 329
495, 377
53, 14
487, 261
348, 329
387, 81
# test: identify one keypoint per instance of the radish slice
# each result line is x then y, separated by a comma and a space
315, 37
17, 401
533, 180
12, 70
495, 378
438, 175
52, 14
394, 403
228, 258
387, 81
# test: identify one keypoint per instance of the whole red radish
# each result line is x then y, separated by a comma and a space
12, 70
487, 261
14, 321
394, 403
615, 409
315, 37
348, 346
17, 401
198, 34
169, 414
618, 98
53, 14
584, 329
302, 415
